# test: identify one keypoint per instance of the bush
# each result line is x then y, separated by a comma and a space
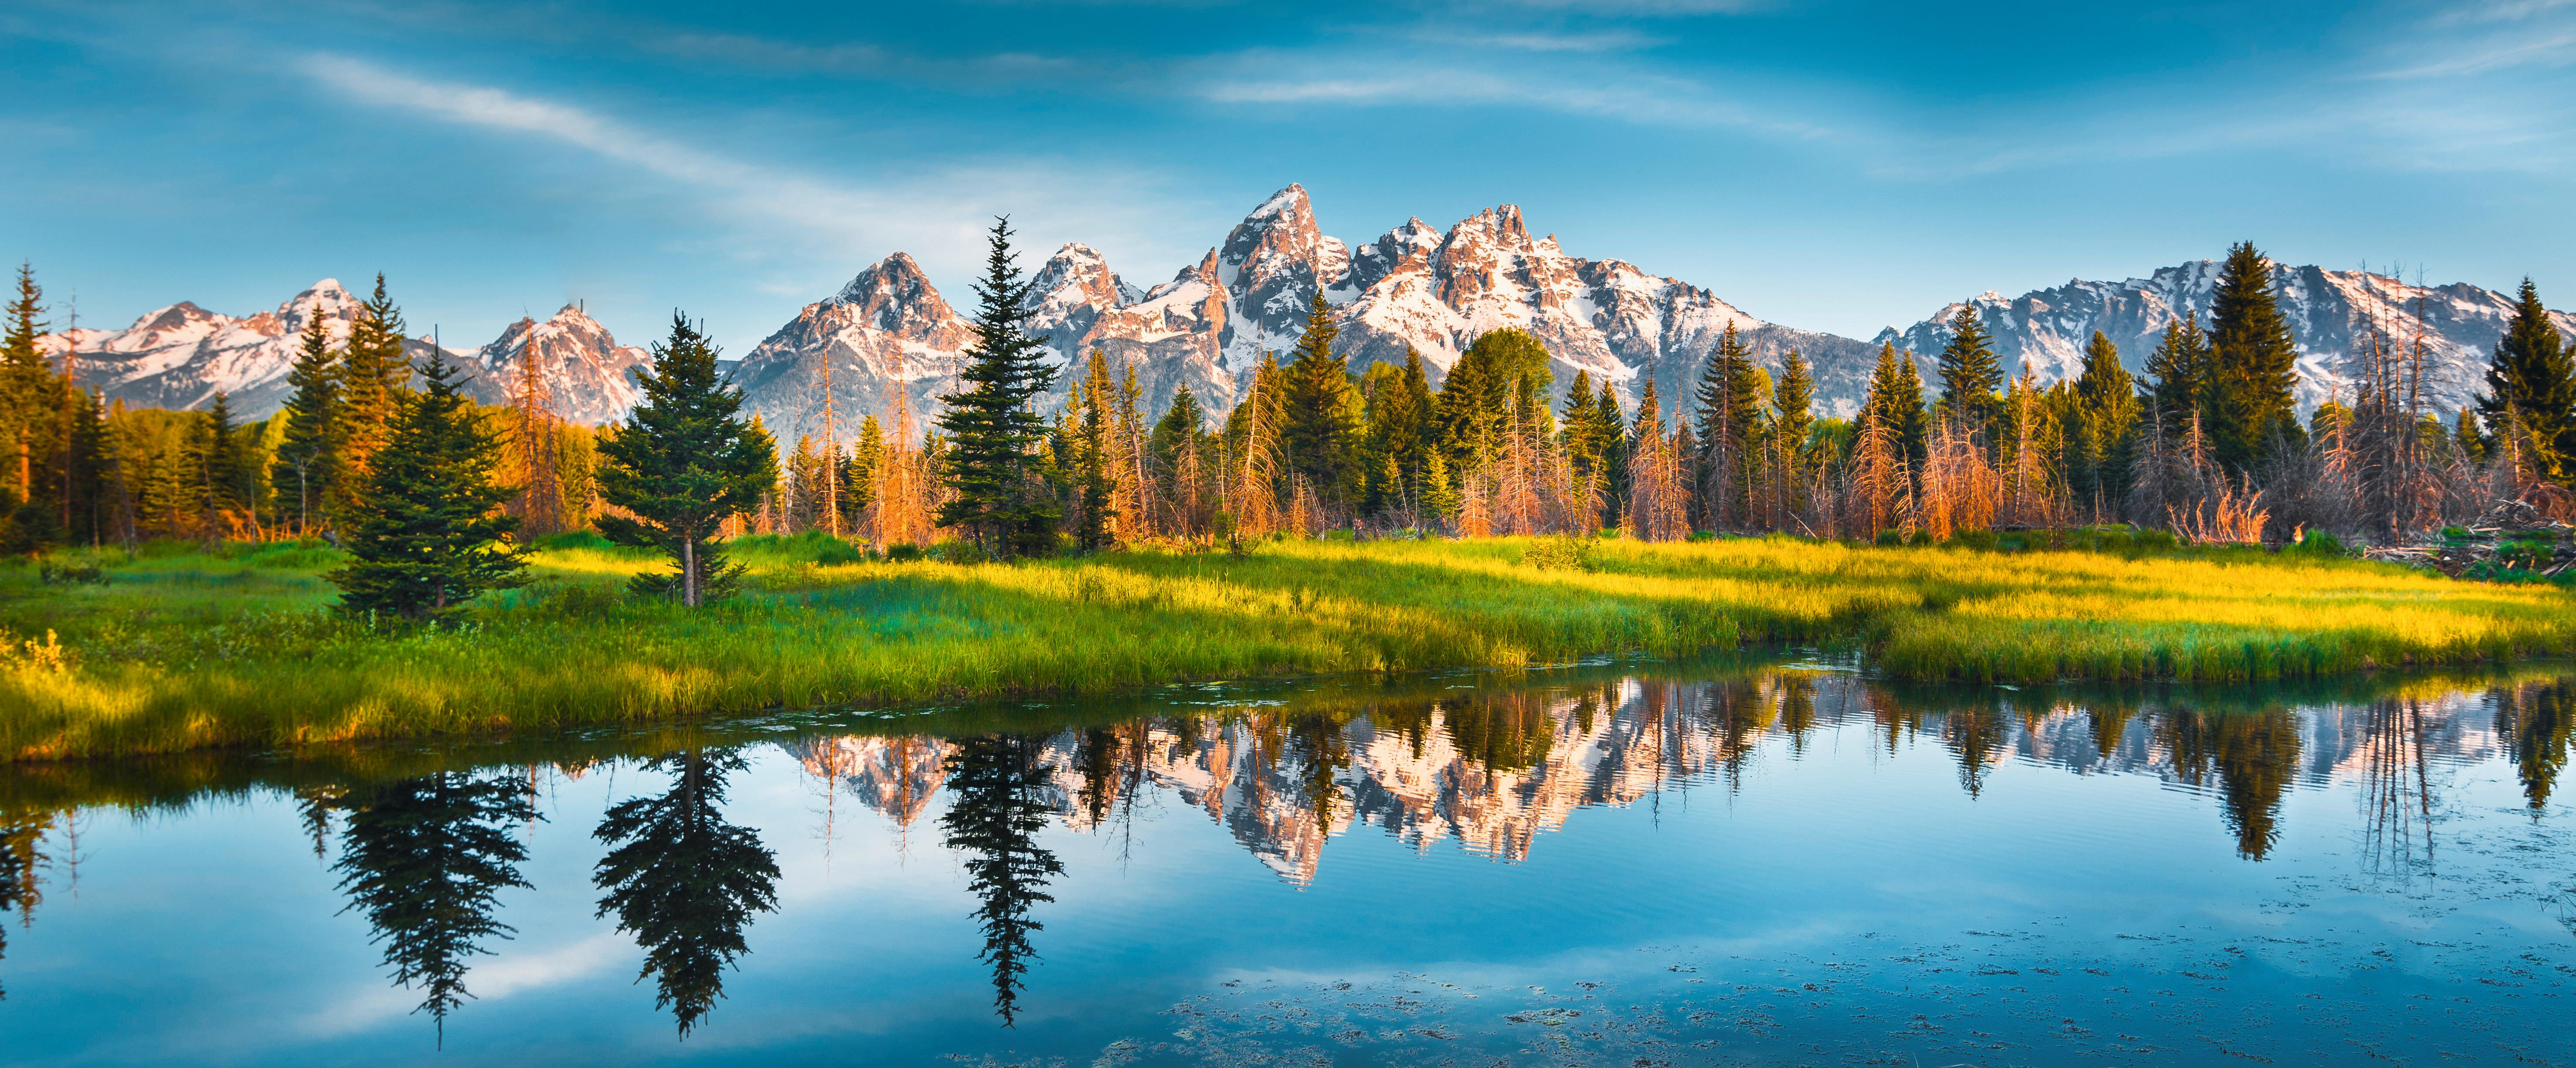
2320, 543
1558, 554
1976, 539
903, 552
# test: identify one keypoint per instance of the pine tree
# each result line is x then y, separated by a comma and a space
859, 472
92, 470
1400, 427
425, 535
309, 457
2107, 413
2531, 381
992, 427
1322, 432
1094, 479
2180, 368
374, 377
805, 486
1612, 429
2253, 362
1971, 375
1730, 428
28, 395
1794, 398
1912, 422
684, 462
221, 472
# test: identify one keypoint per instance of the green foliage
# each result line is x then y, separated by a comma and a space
1559, 554
1322, 431
2531, 390
185, 648
992, 426
1730, 430
684, 461
425, 535
2247, 401
1971, 376
310, 464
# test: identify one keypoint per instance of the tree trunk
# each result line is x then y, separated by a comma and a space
688, 571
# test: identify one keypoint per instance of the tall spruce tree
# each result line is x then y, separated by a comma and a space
29, 395
684, 462
1730, 426
2531, 384
1400, 428
1322, 434
2181, 371
992, 426
858, 479
2107, 415
1971, 376
1094, 481
2254, 363
1615, 451
1793, 396
375, 376
426, 534
308, 458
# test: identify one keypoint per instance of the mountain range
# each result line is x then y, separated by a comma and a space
1433, 291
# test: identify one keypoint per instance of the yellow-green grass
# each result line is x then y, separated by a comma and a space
179, 650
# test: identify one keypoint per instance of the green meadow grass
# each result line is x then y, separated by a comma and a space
180, 648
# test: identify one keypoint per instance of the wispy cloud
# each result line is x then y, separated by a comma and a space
1539, 40
938, 212
1626, 95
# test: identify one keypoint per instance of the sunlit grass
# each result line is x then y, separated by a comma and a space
181, 648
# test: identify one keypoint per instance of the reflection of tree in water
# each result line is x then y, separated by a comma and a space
2251, 754
995, 810
1975, 732
423, 859
1508, 732
2538, 724
22, 864
1798, 709
1323, 753
2397, 795
684, 881
2110, 721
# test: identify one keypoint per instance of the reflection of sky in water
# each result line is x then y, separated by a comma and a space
1599, 872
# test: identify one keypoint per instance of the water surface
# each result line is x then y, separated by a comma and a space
1709, 863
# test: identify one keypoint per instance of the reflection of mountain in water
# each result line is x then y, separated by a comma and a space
1492, 770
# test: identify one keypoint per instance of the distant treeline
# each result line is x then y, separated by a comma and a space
2206, 444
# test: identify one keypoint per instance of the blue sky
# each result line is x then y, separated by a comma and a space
1830, 164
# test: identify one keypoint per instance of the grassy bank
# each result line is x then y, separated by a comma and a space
181, 649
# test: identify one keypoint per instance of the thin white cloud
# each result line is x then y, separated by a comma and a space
1540, 41
1644, 99
811, 229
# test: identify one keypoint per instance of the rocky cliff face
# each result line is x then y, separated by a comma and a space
888, 329
2329, 311
587, 376
1415, 286
182, 355
1430, 290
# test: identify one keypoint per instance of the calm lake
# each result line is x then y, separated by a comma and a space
1629, 864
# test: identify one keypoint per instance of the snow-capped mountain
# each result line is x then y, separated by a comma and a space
1432, 290
1208, 326
588, 375
888, 328
2329, 312
182, 355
